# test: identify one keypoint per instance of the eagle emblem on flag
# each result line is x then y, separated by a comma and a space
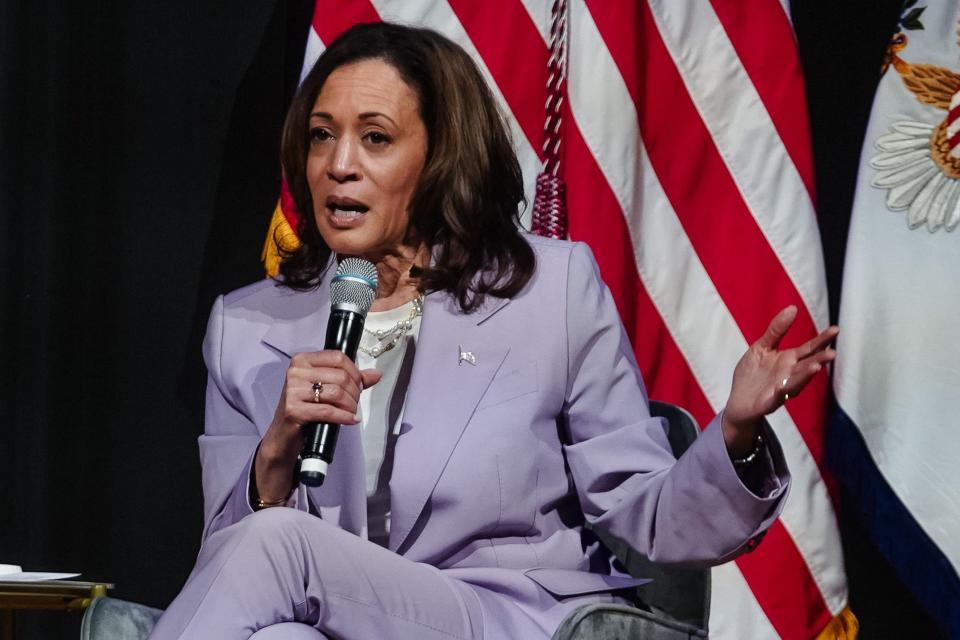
918, 163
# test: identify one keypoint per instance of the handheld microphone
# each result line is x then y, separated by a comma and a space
351, 294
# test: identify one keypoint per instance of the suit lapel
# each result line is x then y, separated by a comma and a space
441, 398
443, 393
299, 325
300, 320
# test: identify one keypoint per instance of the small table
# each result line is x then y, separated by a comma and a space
49, 595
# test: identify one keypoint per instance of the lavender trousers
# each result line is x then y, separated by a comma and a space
283, 573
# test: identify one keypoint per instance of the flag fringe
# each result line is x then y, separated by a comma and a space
844, 626
279, 234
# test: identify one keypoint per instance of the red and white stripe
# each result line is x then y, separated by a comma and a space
688, 170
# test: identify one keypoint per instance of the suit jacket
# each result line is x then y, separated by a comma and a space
498, 464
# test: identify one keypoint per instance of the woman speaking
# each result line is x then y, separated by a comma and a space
495, 407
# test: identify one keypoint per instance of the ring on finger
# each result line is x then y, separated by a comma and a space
317, 390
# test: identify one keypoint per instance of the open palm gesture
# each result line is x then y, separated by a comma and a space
766, 377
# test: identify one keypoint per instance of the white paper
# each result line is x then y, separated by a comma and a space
15, 573
35, 576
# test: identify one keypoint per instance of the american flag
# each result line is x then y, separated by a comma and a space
685, 152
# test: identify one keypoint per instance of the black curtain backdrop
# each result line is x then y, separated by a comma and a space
138, 171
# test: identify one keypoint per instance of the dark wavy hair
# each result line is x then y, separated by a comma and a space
466, 205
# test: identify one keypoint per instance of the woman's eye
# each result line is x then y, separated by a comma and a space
319, 134
378, 138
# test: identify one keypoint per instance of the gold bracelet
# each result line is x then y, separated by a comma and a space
263, 504
259, 503
256, 502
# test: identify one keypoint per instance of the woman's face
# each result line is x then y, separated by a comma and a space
368, 146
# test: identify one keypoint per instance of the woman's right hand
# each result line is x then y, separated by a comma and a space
342, 383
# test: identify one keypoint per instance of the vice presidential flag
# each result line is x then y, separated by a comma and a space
897, 376
678, 128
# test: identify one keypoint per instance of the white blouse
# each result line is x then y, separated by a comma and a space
381, 411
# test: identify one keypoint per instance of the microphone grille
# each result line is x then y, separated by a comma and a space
355, 284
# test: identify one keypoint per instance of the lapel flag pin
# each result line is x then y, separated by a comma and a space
466, 356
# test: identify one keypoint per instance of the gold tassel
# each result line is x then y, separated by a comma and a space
844, 626
281, 232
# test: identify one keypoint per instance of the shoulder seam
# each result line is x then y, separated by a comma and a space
237, 295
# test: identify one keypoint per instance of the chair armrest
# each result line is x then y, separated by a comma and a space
614, 621
112, 619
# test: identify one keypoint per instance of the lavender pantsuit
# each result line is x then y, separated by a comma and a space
497, 467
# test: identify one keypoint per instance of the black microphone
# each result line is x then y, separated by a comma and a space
351, 294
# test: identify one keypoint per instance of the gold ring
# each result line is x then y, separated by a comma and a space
317, 389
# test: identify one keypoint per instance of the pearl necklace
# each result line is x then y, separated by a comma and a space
394, 334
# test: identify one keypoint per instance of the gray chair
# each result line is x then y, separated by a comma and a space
619, 622
112, 619
675, 606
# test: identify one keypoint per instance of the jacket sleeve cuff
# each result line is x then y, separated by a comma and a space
237, 504
757, 496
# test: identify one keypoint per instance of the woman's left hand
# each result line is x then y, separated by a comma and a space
766, 377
